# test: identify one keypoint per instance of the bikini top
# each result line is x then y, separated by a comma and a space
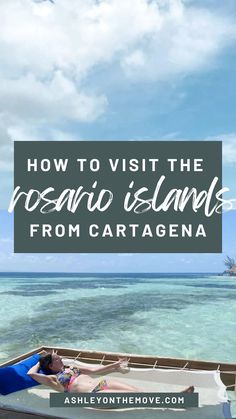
65, 375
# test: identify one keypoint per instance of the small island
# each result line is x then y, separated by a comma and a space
231, 265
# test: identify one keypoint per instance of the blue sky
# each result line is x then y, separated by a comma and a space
81, 70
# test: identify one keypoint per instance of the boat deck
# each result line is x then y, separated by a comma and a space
227, 370
8, 414
149, 372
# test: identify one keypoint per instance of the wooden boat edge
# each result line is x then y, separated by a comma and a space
227, 370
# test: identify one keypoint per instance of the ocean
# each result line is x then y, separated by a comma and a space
176, 315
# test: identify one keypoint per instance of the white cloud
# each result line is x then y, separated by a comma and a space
184, 40
124, 255
6, 147
228, 147
6, 240
47, 101
48, 50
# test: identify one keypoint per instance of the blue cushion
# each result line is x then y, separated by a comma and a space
15, 378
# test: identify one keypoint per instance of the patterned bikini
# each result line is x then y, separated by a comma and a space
102, 385
68, 375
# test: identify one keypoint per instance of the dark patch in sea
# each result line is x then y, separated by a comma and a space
26, 288
28, 293
213, 285
90, 317
40, 289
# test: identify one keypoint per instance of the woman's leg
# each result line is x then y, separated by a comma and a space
117, 385
114, 390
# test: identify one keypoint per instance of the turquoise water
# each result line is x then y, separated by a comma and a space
187, 316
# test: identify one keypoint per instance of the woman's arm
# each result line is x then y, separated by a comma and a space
48, 380
34, 369
101, 368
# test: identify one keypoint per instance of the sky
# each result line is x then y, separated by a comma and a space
116, 70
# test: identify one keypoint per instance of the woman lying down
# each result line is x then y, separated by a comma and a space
80, 380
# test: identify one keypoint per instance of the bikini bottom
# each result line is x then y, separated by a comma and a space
102, 385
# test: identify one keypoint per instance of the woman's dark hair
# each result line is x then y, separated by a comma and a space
44, 362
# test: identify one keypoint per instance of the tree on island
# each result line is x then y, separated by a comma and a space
231, 265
